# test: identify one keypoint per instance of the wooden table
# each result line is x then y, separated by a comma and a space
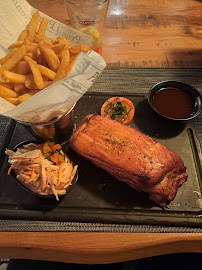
142, 33
146, 33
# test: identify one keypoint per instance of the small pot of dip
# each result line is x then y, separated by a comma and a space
175, 100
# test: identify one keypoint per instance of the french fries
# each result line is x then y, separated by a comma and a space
36, 73
7, 57
48, 73
23, 35
35, 61
15, 59
7, 92
14, 101
50, 57
27, 95
63, 68
33, 26
20, 87
23, 68
42, 30
15, 44
14, 77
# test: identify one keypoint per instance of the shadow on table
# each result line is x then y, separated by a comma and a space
183, 261
187, 58
150, 123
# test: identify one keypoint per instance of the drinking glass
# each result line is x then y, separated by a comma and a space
88, 16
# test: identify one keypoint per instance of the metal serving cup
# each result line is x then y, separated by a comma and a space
181, 86
59, 130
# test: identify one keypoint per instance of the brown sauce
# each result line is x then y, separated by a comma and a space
173, 103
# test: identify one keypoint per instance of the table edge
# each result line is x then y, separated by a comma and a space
95, 248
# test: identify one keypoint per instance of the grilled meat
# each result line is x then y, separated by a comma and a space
130, 156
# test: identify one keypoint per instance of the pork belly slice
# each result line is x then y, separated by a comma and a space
130, 156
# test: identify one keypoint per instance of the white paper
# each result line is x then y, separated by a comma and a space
58, 98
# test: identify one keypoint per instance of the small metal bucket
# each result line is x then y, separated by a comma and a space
59, 130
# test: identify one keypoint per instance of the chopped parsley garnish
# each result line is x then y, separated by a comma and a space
118, 110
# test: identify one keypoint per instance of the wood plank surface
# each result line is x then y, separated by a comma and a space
95, 248
147, 33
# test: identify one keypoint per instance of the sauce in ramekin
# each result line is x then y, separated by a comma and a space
173, 103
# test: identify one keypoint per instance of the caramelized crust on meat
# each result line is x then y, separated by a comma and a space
130, 156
